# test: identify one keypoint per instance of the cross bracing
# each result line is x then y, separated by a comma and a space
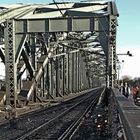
51, 52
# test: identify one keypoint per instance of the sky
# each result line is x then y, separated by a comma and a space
127, 33
128, 38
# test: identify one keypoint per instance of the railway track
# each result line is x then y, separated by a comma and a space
18, 128
63, 126
72, 129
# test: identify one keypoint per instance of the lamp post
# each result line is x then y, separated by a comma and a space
119, 66
128, 53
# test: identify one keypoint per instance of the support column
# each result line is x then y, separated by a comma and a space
78, 54
73, 72
51, 81
43, 83
80, 72
57, 76
47, 81
76, 71
84, 75
10, 65
112, 51
70, 72
63, 74
67, 73
33, 58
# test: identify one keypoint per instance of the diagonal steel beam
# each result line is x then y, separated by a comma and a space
2, 56
21, 71
20, 44
27, 62
38, 75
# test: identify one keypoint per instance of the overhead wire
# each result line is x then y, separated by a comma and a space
58, 7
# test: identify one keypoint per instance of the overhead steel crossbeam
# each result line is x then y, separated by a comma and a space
52, 51
50, 25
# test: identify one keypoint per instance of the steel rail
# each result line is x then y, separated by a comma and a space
47, 109
68, 134
52, 120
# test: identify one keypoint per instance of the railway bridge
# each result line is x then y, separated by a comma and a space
57, 50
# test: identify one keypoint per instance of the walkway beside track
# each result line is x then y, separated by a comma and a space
129, 114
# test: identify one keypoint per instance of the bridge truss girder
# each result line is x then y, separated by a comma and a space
59, 68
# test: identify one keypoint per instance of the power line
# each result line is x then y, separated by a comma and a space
58, 7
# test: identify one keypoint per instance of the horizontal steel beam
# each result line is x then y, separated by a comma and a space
55, 24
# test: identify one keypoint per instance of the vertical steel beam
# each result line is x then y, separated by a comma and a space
80, 72
57, 63
67, 72
76, 71
33, 58
47, 80
10, 65
70, 72
63, 73
51, 78
78, 55
84, 74
73, 73
42, 83
112, 50
46, 69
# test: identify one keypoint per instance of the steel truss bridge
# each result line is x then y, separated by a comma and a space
57, 49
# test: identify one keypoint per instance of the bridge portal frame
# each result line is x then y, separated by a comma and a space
16, 33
